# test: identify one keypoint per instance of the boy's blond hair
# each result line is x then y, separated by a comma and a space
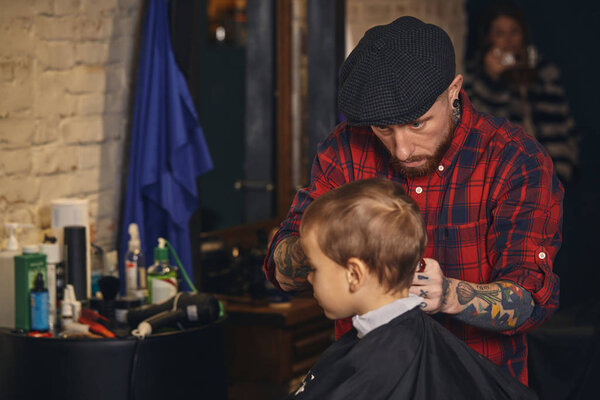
373, 220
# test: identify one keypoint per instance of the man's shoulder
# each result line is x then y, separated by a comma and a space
498, 134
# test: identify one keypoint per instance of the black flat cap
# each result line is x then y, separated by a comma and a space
395, 73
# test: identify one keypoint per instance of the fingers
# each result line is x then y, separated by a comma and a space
421, 265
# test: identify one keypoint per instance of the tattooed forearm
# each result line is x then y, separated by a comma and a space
445, 290
292, 267
497, 306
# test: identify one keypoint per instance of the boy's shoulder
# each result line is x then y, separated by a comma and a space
396, 360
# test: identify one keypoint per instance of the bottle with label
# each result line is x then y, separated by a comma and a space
7, 275
53, 264
135, 267
27, 267
39, 305
162, 277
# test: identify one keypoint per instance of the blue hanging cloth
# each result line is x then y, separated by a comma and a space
168, 150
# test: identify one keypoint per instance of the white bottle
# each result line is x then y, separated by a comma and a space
53, 258
134, 264
7, 275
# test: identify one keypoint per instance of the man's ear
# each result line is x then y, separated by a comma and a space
454, 88
356, 273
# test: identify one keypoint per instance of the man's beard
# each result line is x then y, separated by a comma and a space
432, 162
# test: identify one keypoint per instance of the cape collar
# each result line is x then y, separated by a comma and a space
374, 319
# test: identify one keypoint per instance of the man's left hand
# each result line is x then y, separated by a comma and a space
433, 287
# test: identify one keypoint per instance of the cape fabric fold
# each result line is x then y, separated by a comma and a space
411, 357
167, 150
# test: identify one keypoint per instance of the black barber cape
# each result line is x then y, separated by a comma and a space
411, 357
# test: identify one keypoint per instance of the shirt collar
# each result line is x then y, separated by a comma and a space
374, 319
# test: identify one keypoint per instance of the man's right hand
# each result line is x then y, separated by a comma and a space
291, 267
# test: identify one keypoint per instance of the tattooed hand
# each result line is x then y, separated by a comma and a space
432, 286
291, 265
497, 306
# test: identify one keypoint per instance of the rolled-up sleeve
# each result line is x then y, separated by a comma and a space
525, 235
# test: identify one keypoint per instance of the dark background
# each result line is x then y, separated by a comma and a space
567, 33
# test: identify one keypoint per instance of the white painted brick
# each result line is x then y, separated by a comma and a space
82, 130
16, 34
91, 53
130, 5
121, 49
125, 26
44, 217
90, 156
117, 102
114, 126
54, 158
55, 103
55, 55
86, 182
106, 231
85, 78
17, 132
111, 165
95, 28
108, 202
95, 7
56, 28
16, 99
15, 161
116, 77
66, 7
91, 104
20, 190
79, 27
17, 69
22, 8
56, 186
47, 130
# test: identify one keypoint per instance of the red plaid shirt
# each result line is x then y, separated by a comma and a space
493, 211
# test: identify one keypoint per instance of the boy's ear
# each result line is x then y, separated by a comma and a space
356, 273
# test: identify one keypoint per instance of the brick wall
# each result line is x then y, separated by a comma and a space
450, 15
66, 74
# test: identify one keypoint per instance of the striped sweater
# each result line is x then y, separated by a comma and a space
542, 110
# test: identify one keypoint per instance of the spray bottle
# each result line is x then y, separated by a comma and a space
135, 269
162, 277
55, 272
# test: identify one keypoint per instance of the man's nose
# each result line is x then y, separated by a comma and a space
404, 147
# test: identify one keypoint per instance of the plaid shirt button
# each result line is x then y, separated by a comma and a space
419, 190
542, 255
440, 168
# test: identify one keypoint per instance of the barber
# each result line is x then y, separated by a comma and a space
488, 192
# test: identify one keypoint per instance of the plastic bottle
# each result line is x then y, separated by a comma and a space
7, 275
162, 277
53, 263
135, 269
27, 267
39, 305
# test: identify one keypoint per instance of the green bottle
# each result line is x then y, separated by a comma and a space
161, 276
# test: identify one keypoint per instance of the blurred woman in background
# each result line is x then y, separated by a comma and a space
508, 78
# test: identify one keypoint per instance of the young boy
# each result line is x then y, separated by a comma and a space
363, 242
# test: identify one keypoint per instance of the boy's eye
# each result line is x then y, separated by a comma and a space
417, 124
